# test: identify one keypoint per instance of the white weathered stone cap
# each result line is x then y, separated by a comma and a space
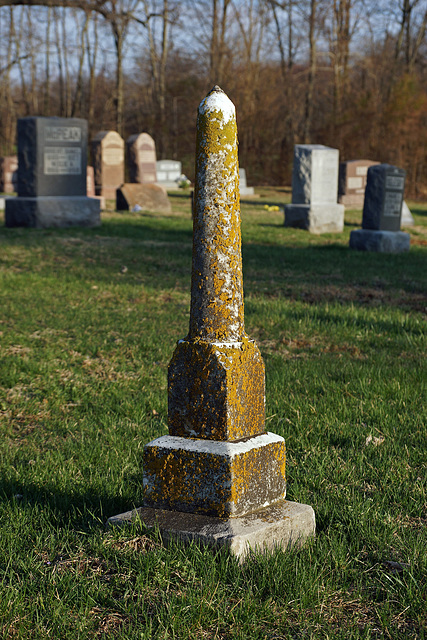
217, 100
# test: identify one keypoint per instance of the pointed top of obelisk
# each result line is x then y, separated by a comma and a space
217, 100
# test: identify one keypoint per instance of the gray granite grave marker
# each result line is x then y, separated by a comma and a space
52, 175
382, 211
314, 190
168, 173
244, 189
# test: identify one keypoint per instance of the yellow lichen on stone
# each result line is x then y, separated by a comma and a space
216, 391
218, 479
217, 311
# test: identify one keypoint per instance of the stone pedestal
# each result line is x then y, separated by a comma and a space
52, 211
284, 524
316, 218
381, 241
218, 477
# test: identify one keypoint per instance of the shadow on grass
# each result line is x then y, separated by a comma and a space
160, 257
82, 508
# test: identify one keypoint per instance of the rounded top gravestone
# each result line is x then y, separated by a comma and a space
109, 162
141, 156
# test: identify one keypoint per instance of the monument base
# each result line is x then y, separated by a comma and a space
246, 192
285, 524
52, 211
380, 241
316, 218
352, 200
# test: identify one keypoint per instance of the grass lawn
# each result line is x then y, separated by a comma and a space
88, 324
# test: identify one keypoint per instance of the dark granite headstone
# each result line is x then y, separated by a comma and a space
52, 158
382, 208
382, 211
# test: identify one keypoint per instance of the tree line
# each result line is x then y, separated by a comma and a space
351, 74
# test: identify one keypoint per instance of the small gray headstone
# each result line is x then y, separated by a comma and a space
406, 219
142, 197
244, 189
52, 175
168, 173
314, 190
108, 155
141, 157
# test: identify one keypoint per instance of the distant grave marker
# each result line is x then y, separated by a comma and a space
244, 189
352, 181
382, 212
141, 157
9, 174
108, 156
52, 175
142, 197
169, 173
314, 190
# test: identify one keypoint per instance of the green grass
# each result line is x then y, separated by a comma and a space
88, 324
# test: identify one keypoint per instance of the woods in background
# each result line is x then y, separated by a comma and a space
351, 74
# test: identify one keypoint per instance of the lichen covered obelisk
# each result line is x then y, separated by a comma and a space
219, 476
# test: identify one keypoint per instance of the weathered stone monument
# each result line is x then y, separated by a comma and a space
314, 190
141, 158
243, 186
52, 175
142, 197
382, 212
168, 173
218, 477
352, 181
8, 174
108, 156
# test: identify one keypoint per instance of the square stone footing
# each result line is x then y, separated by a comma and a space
284, 525
45, 212
380, 241
316, 218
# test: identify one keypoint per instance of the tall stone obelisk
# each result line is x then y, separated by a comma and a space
219, 476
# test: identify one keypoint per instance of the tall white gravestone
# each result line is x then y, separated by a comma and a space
314, 190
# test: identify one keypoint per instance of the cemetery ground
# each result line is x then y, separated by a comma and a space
89, 321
